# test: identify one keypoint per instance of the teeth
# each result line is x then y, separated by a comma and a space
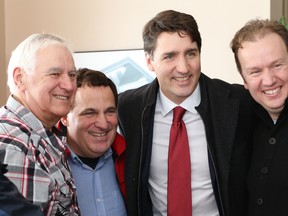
271, 92
181, 78
61, 97
98, 134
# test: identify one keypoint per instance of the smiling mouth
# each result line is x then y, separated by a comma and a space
181, 78
61, 97
272, 92
99, 134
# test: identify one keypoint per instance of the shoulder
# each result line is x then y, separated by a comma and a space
119, 144
139, 92
221, 87
13, 128
132, 100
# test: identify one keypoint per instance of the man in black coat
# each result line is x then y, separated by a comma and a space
217, 117
12, 203
261, 52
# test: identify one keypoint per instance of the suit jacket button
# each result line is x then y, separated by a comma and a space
259, 201
272, 141
264, 170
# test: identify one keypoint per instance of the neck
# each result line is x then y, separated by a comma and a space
47, 124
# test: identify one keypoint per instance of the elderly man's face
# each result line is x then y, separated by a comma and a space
49, 90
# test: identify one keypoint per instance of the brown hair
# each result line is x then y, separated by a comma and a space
170, 21
256, 29
93, 78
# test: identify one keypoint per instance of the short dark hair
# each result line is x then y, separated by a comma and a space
170, 21
94, 78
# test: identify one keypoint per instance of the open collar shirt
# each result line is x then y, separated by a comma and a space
98, 190
36, 160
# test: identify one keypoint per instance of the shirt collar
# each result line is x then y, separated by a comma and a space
107, 154
189, 103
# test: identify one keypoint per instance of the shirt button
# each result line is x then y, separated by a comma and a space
264, 170
272, 141
259, 202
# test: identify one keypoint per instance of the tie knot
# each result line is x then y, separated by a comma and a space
178, 113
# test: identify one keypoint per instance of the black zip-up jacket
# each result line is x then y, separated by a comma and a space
226, 113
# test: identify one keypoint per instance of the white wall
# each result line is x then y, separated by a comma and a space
3, 90
113, 24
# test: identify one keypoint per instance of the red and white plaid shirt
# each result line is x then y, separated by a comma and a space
36, 160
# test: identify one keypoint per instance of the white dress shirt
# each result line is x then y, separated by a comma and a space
203, 200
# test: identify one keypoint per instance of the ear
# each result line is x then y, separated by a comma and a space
245, 85
18, 75
64, 121
149, 61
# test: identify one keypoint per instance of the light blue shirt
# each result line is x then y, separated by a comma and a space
97, 190
2, 213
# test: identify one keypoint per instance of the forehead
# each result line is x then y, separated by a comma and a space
54, 56
264, 48
53, 49
54, 53
168, 40
94, 95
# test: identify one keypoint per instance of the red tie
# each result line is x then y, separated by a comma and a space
179, 168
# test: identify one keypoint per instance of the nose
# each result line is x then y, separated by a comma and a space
268, 78
67, 82
182, 65
101, 121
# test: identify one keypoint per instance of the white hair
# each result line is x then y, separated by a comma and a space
24, 56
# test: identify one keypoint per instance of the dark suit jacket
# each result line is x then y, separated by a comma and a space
226, 112
11, 200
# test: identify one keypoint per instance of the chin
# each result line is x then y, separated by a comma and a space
62, 112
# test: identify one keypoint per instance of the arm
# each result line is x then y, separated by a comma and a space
28, 175
11, 201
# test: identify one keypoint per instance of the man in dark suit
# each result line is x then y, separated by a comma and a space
217, 119
12, 203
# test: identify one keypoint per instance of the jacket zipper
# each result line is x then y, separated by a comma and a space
140, 164
216, 175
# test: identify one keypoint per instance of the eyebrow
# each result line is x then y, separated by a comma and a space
192, 50
60, 70
54, 69
169, 53
188, 50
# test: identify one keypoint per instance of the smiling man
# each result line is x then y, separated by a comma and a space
42, 82
261, 53
97, 151
217, 121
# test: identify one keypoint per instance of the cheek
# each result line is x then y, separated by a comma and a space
163, 74
252, 84
248, 81
114, 121
284, 75
194, 63
44, 88
75, 123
